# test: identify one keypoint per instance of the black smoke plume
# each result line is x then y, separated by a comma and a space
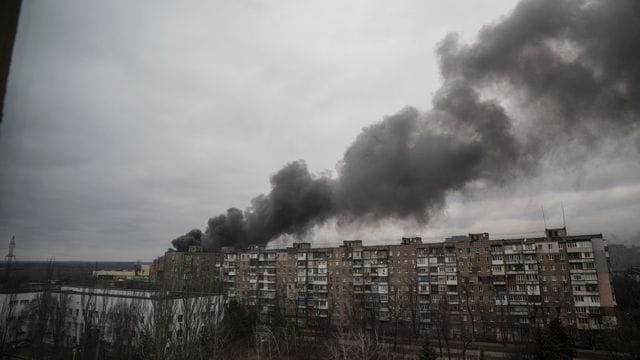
571, 68
192, 238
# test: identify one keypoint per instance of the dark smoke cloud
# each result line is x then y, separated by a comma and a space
575, 65
192, 238
396, 169
297, 201
406, 165
578, 58
226, 230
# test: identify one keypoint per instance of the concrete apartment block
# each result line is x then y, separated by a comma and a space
497, 287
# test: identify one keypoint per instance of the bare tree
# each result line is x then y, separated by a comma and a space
466, 338
356, 345
395, 313
443, 323
466, 335
464, 287
58, 326
503, 316
9, 322
412, 286
158, 338
486, 318
189, 323
124, 322
47, 326
214, 337
94, 319
89, 330
38, 315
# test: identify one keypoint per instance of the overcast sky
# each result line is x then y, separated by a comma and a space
129, 123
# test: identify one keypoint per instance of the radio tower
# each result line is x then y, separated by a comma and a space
10, 258
12, 245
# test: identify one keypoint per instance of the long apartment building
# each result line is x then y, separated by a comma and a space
490, 286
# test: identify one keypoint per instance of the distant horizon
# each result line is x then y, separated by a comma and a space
338, 242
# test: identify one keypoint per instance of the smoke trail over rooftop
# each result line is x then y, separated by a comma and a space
571, 67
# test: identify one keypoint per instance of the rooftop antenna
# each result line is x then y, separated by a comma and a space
564, 222
543, 217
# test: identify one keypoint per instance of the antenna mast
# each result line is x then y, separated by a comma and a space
564, 222
543, 217
10, 258
12, 245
